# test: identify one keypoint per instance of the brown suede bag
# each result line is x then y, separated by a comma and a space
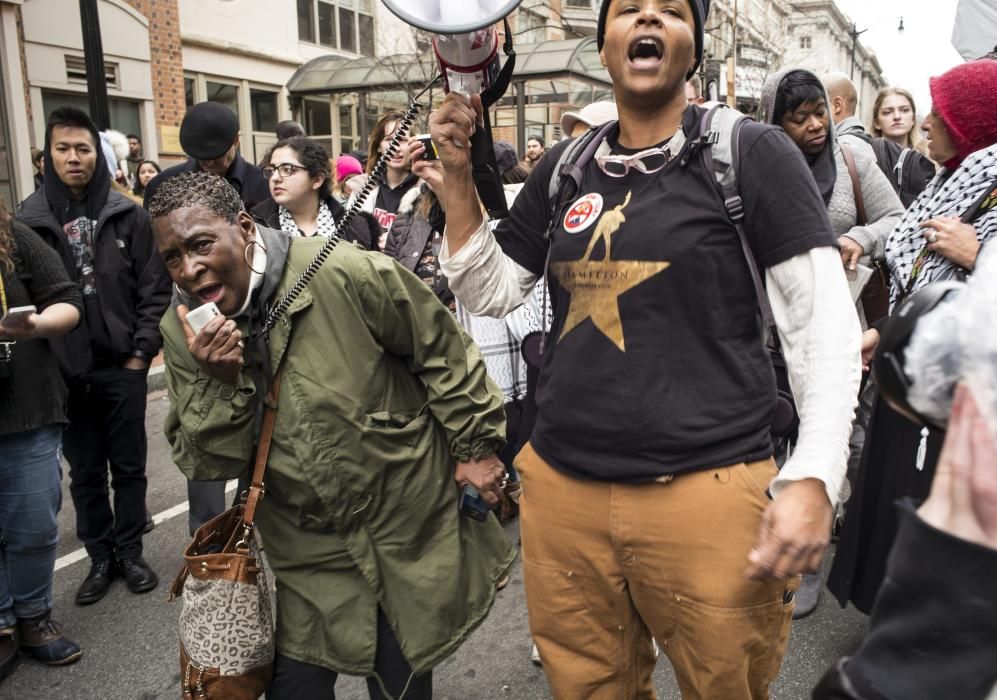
227, 622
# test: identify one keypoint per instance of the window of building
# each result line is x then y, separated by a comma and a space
223, 93
580, 4
317, 117
804, 42
263, 104
530, 27
347, 25
306, 20
125, 114
327, 24
188, 92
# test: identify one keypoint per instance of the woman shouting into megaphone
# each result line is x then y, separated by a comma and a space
650, 493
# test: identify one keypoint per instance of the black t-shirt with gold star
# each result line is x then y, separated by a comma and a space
655, 363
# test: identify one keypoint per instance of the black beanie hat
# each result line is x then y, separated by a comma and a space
700, 9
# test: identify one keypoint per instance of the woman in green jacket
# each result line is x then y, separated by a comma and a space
384, 403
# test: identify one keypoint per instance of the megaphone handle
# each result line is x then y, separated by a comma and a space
485, 171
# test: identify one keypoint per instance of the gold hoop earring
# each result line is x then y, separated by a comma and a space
245, 255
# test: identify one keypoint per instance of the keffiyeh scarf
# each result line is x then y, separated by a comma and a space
950, 193
326, 223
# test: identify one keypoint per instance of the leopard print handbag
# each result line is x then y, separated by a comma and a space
227, 621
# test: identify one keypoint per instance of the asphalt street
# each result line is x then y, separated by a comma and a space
130, 646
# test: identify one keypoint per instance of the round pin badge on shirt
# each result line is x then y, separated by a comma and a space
583, 213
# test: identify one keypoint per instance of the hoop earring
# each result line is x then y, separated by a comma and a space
245, 255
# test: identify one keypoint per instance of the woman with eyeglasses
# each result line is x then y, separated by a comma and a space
646, 508
302, 203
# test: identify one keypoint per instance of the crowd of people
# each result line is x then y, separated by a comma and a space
593, 364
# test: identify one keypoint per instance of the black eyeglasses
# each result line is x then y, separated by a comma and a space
285, 170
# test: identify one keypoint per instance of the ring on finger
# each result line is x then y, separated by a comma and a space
241, 344
933, 237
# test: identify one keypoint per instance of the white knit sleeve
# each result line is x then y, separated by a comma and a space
486, 280
821, 341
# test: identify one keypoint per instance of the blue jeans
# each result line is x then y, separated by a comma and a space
30, 498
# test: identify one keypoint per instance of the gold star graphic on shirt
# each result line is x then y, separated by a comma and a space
596, 285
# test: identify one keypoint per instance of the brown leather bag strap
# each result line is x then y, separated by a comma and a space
256, 490
853, 174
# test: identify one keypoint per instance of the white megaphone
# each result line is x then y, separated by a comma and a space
467, 49
465, 40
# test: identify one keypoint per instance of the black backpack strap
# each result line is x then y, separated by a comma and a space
565, 182
898, 169
571, 165
725, 166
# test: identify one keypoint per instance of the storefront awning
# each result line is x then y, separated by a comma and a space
576, 59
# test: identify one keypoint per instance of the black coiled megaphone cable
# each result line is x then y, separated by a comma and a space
376, 178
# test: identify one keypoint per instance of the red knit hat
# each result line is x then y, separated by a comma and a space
965, 97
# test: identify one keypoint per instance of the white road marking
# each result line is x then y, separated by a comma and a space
179, 509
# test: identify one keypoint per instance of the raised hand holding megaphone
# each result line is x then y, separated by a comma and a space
466, 46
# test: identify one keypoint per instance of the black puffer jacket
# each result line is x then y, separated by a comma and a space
363, 230
133, 287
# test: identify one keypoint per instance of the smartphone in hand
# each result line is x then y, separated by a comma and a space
472, 505
430, 152
17, 315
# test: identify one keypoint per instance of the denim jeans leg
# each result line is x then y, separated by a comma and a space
30, 498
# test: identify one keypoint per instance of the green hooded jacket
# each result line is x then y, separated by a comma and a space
381, 392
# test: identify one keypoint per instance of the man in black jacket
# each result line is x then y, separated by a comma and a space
209, 134
106, 244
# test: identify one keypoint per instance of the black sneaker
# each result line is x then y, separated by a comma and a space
8, 651
137, 574
95, 585
41, 638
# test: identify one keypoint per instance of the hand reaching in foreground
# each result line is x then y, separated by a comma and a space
963, 499
796, 529
486, 474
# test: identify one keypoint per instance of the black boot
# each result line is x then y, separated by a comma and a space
95, 585
8, 651
41, 637
139, 577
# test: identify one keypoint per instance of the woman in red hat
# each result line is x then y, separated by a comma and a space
939, 238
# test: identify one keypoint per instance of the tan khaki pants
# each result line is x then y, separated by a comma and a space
609, 565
